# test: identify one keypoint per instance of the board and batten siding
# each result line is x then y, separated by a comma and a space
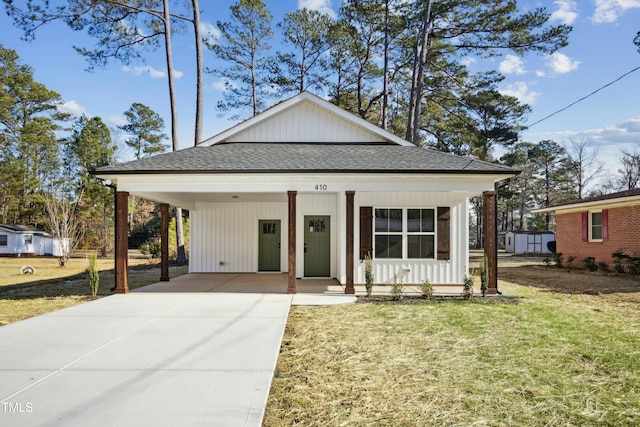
309, 123
227, 235
414, 271
224, 236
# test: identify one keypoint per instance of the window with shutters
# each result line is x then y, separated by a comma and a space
404, 233
595, 226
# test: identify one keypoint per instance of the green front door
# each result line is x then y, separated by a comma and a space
317, 246
269, 245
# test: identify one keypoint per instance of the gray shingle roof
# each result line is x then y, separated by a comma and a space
305, 157
611, 196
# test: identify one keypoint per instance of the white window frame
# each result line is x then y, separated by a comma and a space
405, 233
30, 237
591, 239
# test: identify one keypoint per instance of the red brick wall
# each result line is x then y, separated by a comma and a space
624, 232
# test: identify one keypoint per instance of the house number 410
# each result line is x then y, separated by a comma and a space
321, 187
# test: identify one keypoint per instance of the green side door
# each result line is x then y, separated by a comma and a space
317, 246
269, 245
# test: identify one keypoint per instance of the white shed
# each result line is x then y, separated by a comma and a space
528, 242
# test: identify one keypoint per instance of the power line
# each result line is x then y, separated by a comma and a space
584, 97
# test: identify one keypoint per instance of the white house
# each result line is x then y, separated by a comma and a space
528, 242
308, 189
18, 240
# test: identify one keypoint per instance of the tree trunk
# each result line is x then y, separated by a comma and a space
385, 80
199, 73
417, 83
181, 256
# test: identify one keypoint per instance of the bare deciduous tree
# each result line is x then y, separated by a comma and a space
583, 164
62, 206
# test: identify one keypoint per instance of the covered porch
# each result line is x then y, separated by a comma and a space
287, 282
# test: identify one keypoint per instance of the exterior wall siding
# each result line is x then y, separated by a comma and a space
623, 233
225, 236
307, 123
415, 271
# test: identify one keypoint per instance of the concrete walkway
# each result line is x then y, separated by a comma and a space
187, 352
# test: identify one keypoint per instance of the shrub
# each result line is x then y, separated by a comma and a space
570, 260
426, 288
467, 290
633, 264
144, 249
557, 258
94, 274
397, 289
547, 262
619, 259
368, 274
602, 266
154, 249
484, 276
590, 263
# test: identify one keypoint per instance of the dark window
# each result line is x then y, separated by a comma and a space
421, 246
28, 239
420, 220
4, 241
388, 238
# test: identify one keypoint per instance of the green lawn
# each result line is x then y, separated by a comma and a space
552, 359
53, 288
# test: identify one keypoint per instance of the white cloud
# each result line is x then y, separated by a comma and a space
323, 6
540, 73
610, 10
222, 85
140, 69
73, 108
521, 91
117, 120
561, 63
512, 65
153, 72
209, 31
566, 12
626, 132
467, 61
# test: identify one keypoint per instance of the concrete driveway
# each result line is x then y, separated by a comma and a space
144, 359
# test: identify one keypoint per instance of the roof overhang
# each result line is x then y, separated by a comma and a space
187, 190
595, 204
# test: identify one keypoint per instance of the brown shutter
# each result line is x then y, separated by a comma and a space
366, 235
585, 226
444, 233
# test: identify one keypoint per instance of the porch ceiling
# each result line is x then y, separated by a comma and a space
189, 200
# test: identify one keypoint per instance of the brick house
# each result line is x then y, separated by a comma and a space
598, 226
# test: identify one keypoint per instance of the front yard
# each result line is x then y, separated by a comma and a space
53, 288
552, 359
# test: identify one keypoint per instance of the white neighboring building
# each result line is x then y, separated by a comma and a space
18, 240
528, 242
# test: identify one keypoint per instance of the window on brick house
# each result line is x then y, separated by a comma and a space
595, 226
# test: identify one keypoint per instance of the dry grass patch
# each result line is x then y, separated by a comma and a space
53, 288
549, 360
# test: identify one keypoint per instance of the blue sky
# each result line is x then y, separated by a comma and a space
600, 50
